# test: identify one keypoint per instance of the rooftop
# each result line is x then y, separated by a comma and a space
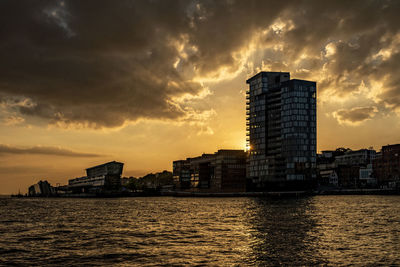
101, 165
264, 73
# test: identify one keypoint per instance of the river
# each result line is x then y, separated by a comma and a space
153, 231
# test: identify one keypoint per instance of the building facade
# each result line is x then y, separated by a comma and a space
181, 174
355, 168
230, 170
224, 170
386, 166
42, 188
358, 157
101, 178
346, 168
281, 131
202, 171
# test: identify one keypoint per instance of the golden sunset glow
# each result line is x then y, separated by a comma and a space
81, 87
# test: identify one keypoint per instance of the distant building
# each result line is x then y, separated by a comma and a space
346, 168
329, 177
327, 173
104, 177
229, 170
62, 190
281, 131
367, 178
386, 166
125, 181
42, 188
357, 157
352, 164
348, 176
202, 171
327, 154
224, 170
181, 174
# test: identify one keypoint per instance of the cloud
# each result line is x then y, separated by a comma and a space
102, 64
95, 63
43, 150
355, 116
22, 169
13, 120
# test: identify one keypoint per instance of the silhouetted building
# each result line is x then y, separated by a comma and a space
327, 169
346, 168
367, 178
348, 176
281, 131
353, 166
62, 190
230, 170
360, 157
201, 171
125, 181
42, 188
181, 174
104, 177
386, 166
224, 170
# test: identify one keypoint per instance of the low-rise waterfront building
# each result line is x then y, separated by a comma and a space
346, 168
104, 177
360, 157
202, 171
42, 188
224, 170
348, 176
367, 178
181, 174
125, 181
329, 177
353, 164
386, 166
327, 174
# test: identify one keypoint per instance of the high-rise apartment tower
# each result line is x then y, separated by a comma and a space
281, 131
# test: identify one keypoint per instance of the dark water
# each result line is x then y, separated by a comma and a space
326, 230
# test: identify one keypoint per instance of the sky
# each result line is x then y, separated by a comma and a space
149, 82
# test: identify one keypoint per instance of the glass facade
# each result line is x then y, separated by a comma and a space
281, 128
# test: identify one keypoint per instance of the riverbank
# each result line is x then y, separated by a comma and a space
237, 194
285, 193
362, 191
277, 194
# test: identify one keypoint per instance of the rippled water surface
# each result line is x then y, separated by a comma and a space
327, 230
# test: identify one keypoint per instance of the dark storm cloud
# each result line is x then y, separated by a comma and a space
388, 73
101, 63
355, 115
357, 30
92, 62
43, 150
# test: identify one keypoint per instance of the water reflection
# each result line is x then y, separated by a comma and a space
331, 230
283, 233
